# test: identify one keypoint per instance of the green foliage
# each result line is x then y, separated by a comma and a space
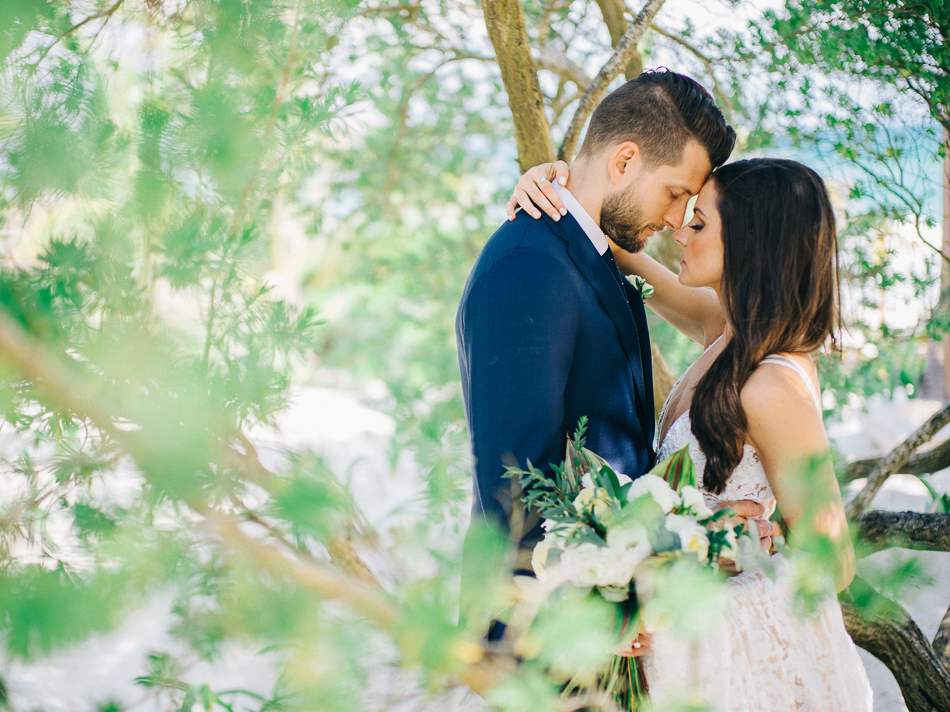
146, 189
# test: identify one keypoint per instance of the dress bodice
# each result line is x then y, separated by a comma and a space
748, 480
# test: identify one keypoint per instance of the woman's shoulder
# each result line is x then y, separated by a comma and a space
780, 380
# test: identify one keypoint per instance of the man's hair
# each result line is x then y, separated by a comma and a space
660, 111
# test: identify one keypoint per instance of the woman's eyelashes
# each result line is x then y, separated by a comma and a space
696, 226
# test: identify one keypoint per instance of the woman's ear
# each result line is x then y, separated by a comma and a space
623, 162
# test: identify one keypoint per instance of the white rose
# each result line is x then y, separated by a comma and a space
626, 535
694, 501
657, 488
677, 522
694, 539
590, 565
692, 535
594, 499
615, 594
539, 557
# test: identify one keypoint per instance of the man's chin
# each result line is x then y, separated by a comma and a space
635, 244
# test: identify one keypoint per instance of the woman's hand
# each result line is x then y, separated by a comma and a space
534, 190
637, 647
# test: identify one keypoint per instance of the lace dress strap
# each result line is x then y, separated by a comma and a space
789, 362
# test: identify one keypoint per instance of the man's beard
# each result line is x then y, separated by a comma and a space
621, 219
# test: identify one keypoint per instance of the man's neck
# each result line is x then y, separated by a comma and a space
585, 189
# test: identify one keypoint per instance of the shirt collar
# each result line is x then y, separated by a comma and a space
593, 231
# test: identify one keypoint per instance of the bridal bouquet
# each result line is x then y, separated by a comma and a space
610, 537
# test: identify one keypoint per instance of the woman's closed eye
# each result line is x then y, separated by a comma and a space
697, 226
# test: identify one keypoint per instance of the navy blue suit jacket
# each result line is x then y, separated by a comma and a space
545, 336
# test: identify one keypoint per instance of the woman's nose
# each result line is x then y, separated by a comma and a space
679, 237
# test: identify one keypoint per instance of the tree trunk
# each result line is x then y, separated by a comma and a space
941, 642
613, 10
505, 23
663, 379
884, 629
936, 379
909, 530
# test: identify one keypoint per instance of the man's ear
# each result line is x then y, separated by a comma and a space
625, 159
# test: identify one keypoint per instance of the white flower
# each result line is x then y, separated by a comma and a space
692, 535
730, 549
539, 557
615, 594
591, 565
587, 479
677, 522
694, 539
657, 488
654, 616
693, 500
626, 535
562, 531
594, 499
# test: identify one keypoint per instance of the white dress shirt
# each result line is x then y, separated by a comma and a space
596, 235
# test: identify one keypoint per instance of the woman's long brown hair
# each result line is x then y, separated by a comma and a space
779, 292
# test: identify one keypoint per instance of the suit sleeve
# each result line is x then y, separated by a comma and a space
518, 326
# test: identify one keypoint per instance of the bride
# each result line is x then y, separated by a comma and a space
758, 289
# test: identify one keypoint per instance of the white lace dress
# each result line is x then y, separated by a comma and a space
762, 657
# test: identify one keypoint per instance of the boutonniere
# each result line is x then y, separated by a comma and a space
642, 286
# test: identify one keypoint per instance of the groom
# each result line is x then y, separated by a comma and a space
548, 330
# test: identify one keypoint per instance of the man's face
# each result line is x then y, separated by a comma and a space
650, 199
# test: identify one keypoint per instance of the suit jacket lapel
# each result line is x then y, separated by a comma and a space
597, 273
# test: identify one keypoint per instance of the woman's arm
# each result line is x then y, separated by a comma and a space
787, 432
694, 312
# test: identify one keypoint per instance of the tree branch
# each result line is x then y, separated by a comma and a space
610, 71
613, 11
707, 63
505, 23
896, 460
884, 629
921, 463
908, 530
555, 61
411, 8
941, 642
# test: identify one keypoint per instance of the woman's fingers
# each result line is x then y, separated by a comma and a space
532, 196
639, 646
746, 508
535, 192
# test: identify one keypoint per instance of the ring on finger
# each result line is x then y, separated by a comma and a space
636, 645
540, 180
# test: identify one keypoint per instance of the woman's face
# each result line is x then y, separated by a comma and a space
701, 240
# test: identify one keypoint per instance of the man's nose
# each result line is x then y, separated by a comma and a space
674, 218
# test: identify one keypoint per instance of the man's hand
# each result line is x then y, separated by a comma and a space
534, 191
